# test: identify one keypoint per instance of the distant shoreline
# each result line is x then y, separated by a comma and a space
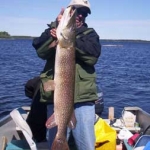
129, 40
6, 35
30, 37
17, 37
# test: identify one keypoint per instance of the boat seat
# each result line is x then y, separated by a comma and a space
139, 145
23, 113
142, 141
28, 143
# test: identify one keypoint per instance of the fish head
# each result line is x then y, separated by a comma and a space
66, 28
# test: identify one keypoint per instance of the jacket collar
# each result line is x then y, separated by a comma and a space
81, 29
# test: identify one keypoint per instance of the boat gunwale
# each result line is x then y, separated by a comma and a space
5, 120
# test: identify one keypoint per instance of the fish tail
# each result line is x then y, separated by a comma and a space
60, 144
50, 123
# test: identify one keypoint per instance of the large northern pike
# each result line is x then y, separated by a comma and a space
64, 78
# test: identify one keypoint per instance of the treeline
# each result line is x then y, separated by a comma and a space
4, 34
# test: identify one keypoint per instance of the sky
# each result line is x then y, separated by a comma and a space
112, 19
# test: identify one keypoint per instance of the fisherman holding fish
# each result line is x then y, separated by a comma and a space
87, 51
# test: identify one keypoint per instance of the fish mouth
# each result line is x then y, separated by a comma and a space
72, 18
67, 26
72, 11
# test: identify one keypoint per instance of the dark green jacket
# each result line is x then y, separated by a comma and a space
88, 50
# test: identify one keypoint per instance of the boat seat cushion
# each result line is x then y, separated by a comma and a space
17, 145
23, 145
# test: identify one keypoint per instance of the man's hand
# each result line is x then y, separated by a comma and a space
53, 32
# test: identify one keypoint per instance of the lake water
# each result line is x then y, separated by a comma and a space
123, 74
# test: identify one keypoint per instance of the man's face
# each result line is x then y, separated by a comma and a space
81, 15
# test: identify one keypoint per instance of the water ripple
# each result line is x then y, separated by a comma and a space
123, 74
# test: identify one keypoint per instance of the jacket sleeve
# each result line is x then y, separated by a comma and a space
88, 48
30, 86
43, 43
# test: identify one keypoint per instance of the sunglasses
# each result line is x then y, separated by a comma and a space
82, 11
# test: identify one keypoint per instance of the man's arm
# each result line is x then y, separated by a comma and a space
45, 43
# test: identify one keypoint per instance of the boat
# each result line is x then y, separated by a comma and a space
12, 133
15, 134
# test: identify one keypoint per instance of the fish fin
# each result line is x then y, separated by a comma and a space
50, 123
73, 121
49, 85
60, 144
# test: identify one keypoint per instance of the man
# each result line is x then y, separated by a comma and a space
38, 114
88, 50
